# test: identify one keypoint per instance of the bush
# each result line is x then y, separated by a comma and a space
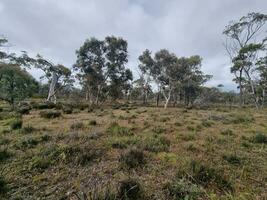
50, 114
184, 189
130, 189
16, 124
93, 123
156, 144
116, 129
259, 138
77, 126
133, 158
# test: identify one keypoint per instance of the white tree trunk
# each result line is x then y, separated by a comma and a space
167, 98
51, 94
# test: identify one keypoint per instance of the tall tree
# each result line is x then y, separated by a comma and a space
15, 83
101, 67
240, 34
58, 76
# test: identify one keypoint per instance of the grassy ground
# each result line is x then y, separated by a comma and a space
171, 154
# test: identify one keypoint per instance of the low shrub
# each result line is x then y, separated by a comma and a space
16, 124
133, 158
130, 189
41, 106
50, 114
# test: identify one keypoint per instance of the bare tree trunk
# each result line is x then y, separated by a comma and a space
51, 94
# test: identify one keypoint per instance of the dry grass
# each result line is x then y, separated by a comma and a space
72, 154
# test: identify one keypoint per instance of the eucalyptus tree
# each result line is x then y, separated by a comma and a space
58, 76
101, 68
15, 83
243, 36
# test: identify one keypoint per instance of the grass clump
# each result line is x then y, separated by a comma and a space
184, 189
156, 143
92, 123
159, 130
130, 189
24, 110
50, 114
67, 110
133, 158
3, 186
206, 176
232, 159
4, 155
16, 124
116, 129
228, 132
27, 129
259, 138
77, 126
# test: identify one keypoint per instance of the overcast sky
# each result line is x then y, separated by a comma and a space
56, 28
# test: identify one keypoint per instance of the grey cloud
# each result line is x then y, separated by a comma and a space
57, 28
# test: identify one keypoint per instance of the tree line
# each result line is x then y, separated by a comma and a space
102, 73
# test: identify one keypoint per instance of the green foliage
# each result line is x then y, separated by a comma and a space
182, 189
16, 124
133, 158
50, 114
15, 83
130, 189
